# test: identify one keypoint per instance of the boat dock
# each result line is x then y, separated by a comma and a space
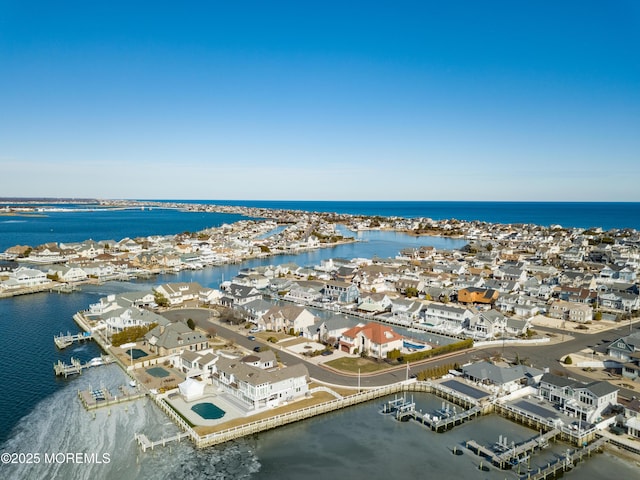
63, 341
145, 443
505, 456
554, 469
76, 366
102, 397
444, 419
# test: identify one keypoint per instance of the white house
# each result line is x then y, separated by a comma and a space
287, 317
259, 388
373, 339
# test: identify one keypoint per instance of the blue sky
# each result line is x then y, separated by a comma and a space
425, 100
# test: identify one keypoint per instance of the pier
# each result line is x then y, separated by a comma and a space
102, 397
441, 421
555, 469
145, 443
63, 341
76, 366
508, 456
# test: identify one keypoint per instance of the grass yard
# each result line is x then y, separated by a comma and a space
352, 365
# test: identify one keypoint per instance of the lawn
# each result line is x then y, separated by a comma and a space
353, 365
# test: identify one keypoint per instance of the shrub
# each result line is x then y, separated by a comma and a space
568, 360
272, 340
452, 347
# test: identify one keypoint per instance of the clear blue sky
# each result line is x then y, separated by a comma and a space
425, 100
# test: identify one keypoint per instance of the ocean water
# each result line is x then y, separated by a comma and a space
606, 215
103, 224
41, 414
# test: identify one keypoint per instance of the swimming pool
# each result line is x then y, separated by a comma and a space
158, 372
208, 411
136, 353
412, 345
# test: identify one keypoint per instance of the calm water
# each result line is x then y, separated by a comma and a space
568, 214
104, 224
358, 441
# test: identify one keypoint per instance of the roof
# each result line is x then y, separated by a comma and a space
375, 332
500, 375
257, 376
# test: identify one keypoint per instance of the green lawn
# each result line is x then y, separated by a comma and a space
348, 364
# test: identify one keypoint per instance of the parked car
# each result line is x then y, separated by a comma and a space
251, 337
326, 353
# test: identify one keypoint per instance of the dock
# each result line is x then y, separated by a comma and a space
102, 397
62, 341
144, 443
555, 469
507, 456
76, 366
441, 421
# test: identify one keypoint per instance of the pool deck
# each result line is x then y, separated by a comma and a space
222, 400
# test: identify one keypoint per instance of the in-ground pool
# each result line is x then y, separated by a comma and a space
158, 372
412, 345
136, 353
208, 411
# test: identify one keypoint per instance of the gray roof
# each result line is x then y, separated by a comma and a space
257, 376
500, 375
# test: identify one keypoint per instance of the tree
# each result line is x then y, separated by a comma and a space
191, 324
597, 315
568, 360
411, 292
160, 299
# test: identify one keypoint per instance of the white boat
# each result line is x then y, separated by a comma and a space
96, 362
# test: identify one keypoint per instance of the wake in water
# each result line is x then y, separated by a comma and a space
71, 444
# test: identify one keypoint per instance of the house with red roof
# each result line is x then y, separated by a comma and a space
374, 339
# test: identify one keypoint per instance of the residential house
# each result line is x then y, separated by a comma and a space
624, 348
586, 401
24, 277
503, 379
487, 324
373, 339
195, 363
258, 388
574, 312
477, 295
175, 338
180, 293
451, 317
341, 292
286, 318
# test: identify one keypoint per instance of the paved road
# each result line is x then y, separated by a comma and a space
540, 356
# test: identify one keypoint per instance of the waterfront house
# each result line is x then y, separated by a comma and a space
374, 303
118, 319
258, 388
180, 293
503, 379
341, 292
24, 277
66, 273
586, 401
239, 295
175, 338
305, 292
450, 317
373, 339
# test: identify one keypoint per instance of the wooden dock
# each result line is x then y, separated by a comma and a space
76, 366
404, 409
62, 341
94, 399
555, 469
145, 443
